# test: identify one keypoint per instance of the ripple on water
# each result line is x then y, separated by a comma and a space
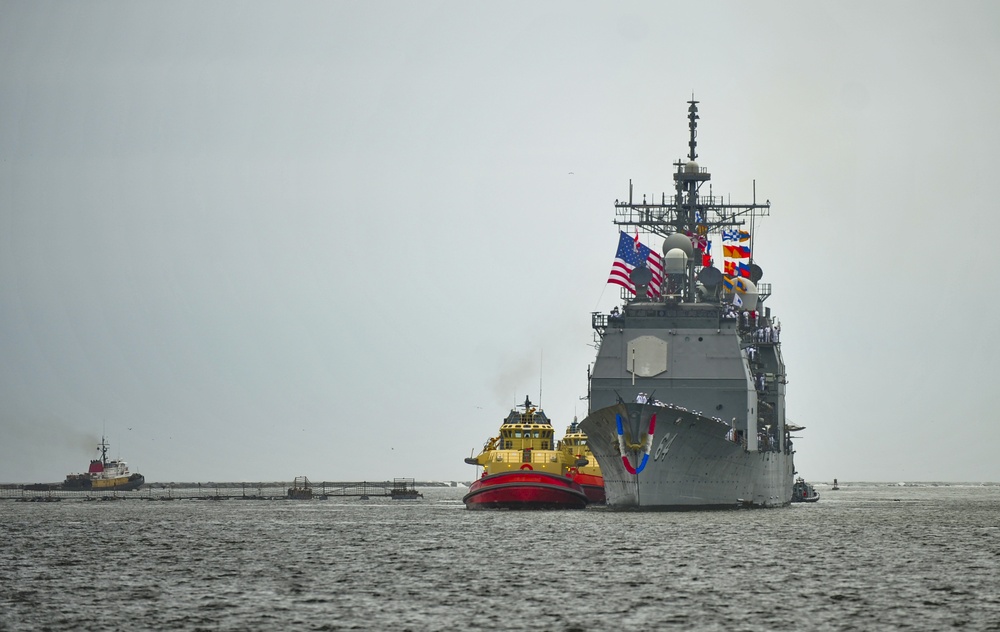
862, 558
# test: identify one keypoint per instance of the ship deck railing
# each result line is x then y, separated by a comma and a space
513, 456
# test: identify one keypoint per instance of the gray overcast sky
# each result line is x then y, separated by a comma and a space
341, 239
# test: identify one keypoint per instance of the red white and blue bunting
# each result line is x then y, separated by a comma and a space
624, 448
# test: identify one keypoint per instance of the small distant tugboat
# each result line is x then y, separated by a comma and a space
583, 467
104, 475
522, 469
803, 492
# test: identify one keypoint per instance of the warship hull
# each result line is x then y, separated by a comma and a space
691, 463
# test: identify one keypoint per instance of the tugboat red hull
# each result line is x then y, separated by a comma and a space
525, 489
593, 487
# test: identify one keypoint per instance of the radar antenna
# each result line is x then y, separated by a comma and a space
693, 126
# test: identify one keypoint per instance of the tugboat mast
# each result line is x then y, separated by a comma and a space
104, 451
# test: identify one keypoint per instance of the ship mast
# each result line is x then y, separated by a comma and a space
686, 212
104, 451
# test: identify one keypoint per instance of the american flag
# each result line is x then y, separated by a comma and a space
631, 254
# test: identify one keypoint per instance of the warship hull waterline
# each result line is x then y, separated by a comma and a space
687, 393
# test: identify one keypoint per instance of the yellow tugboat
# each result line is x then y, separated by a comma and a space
582, 466
523, 468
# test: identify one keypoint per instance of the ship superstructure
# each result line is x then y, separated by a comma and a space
687, 393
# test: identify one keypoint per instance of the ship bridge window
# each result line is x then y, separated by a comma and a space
517, 434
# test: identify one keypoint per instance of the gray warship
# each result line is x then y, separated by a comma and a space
687, 393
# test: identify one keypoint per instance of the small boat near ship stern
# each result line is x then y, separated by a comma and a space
803, 492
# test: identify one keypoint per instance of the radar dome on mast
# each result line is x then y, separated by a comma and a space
675, 261
680, 241
750, 294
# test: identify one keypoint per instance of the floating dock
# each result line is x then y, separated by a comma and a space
300, 489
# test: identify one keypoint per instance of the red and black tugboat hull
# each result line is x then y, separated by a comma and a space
593, 487
525, 489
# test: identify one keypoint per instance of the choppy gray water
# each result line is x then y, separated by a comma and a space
866, 557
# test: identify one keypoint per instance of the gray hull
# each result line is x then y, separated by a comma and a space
691, 463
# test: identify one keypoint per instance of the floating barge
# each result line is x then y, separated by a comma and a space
397, 489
